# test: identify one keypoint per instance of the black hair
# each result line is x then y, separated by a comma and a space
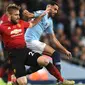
52, 3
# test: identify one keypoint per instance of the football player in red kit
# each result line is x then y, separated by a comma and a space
9, 31
12, 32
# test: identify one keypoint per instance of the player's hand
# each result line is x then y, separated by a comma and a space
46, 11
68, 54
22, 80
13, 78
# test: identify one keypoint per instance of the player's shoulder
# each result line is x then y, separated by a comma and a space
4, 24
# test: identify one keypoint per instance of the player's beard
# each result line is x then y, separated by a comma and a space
14, 21
52, 15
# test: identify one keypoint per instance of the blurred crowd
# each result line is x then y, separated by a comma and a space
69, 23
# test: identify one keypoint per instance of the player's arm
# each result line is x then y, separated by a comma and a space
60, 46
34, 15
34, 22
37, 20
28, 14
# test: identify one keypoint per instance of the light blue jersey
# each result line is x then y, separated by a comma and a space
45, 25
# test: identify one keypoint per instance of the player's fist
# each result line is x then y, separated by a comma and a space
68, 54
48, 9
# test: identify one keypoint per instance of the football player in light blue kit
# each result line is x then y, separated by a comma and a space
32, 36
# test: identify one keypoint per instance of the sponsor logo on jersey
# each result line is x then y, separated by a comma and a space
16, 31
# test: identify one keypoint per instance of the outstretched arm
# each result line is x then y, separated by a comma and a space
36, 20
32, 15
28, 14
60, 46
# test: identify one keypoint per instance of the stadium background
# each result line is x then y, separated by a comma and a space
69, 28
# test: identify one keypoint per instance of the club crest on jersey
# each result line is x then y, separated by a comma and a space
18, 25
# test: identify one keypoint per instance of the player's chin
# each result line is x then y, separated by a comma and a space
53, 15
17, 21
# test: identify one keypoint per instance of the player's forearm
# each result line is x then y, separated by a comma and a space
31, 15
28, 14
60, 46
37, 20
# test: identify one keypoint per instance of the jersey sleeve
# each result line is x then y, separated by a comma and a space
38, 13
49, 30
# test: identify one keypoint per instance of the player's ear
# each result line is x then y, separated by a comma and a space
9, 16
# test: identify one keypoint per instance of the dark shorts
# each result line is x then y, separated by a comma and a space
21, 57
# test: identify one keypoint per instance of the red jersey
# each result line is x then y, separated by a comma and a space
13, 35
4, 18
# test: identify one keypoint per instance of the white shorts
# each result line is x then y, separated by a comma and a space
36, 46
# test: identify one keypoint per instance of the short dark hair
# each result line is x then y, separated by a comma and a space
11, 7
52, 3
